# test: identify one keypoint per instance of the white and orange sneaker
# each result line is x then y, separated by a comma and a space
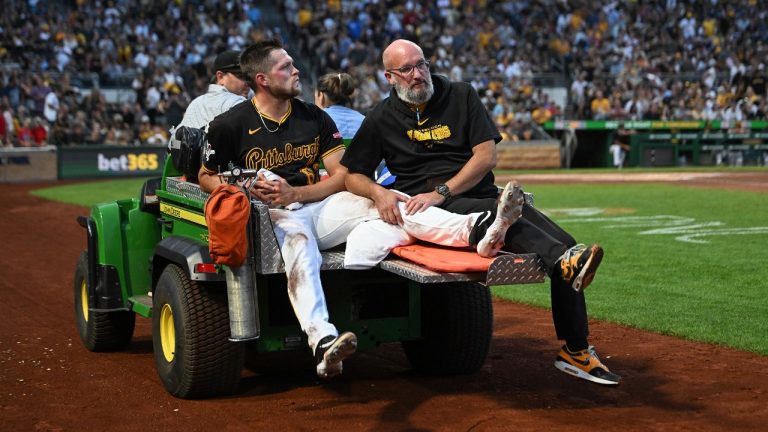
586, 365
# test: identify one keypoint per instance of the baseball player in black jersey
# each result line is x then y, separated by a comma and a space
287, 138
439, 140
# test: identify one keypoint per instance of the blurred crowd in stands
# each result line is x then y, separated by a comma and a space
149, 59
655, 59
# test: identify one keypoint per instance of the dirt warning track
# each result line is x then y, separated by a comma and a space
50, 382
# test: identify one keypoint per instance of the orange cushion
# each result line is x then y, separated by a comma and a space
444, 259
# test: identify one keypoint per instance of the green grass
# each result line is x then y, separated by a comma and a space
87, 194
634, 170
713, 292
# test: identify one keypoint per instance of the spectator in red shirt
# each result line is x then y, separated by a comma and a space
24, 133
38, 132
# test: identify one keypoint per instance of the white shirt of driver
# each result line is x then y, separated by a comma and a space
205, 107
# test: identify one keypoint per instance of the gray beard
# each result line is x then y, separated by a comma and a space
415, 97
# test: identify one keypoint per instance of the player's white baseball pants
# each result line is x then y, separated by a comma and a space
371, 241
302, 233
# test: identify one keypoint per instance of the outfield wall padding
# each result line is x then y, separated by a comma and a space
110, 161
22, 164
534, 154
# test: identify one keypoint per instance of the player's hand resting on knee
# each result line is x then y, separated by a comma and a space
387, 204
421, 202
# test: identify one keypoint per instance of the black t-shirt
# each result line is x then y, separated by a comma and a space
758, 83
304, 136
425, 151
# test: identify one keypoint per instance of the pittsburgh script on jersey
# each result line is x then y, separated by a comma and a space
439, 132
270, 159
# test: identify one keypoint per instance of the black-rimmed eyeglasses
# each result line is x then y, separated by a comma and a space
422, 66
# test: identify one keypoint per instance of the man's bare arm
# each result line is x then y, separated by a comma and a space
279, 192
483, 160
386, 201
323, 189
208, 182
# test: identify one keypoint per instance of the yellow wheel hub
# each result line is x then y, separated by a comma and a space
167, 333
84, 299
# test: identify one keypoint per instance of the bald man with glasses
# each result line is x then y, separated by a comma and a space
439, 141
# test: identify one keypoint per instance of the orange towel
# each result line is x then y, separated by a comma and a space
444, 259
226, 213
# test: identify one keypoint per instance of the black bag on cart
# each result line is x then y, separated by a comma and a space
186, 147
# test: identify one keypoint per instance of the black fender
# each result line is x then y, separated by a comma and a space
185, 253
104, 293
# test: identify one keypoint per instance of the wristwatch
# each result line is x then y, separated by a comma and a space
443, 190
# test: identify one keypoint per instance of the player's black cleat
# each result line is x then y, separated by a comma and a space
509, 211
330, 352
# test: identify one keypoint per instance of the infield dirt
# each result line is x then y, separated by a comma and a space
50, 382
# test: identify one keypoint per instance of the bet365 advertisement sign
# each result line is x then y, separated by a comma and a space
109, 161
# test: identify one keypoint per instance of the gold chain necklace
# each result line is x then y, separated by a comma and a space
265, 123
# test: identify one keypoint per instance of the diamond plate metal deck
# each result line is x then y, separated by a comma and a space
506, 269
417, 273
184, 188
509, 269
266, 251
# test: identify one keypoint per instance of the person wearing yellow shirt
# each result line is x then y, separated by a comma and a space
708, 25
600, 106
541, 114
505, 117
305, 16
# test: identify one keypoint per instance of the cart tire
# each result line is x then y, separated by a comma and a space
99, 331
457, 326
190, 331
